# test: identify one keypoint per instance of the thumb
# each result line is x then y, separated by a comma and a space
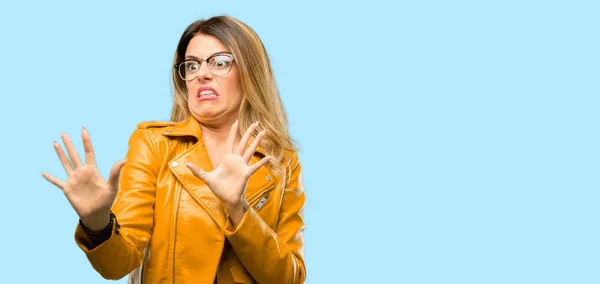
197, 171
115, 173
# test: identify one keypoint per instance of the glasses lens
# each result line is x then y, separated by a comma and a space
220, 64
188, 69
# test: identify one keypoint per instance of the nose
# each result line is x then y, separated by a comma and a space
203, 72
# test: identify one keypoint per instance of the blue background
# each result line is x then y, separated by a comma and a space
442, 141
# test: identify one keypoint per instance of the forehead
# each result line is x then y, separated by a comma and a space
203, 46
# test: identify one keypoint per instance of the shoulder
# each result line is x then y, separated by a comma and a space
155, 124
290, 158
156, 128
293, 170
150, 131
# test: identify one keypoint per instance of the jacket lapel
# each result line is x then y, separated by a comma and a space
195, 186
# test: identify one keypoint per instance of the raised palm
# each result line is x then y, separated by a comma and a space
90, 195
228, 180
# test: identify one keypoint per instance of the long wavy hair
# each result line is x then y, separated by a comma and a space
260, 102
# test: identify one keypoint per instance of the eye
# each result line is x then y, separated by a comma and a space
221, 61
191, 66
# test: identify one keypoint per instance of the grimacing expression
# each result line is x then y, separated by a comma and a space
214, 94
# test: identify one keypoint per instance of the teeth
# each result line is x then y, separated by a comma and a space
207, 93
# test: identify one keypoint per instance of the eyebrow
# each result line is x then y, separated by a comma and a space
198, 58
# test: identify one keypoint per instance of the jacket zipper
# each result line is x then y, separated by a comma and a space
264, 197
262, 202
178, 196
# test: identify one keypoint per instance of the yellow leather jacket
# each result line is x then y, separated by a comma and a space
175, 230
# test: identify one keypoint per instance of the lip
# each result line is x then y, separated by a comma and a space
206, 88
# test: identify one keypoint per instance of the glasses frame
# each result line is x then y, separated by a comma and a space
200, 60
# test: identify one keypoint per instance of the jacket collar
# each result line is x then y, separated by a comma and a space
191, 127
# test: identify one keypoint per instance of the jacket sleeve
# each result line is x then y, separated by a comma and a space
133, 208
274, 256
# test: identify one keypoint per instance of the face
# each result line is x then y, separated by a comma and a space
212, 99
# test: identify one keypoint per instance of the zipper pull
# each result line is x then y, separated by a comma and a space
261, 202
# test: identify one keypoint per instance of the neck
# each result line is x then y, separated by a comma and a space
216, 133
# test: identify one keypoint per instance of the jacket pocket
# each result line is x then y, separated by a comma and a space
262, 201
240, 275
266, 205
259, 200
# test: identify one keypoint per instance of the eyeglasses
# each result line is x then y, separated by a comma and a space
218, 64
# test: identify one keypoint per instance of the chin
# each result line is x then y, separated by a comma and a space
207, 112
204, 113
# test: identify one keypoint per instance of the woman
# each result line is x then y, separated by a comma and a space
215, 195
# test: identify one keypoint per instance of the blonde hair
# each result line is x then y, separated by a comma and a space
261, 101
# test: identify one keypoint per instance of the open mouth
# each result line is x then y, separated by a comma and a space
207, 93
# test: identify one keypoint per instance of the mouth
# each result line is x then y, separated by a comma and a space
207, 93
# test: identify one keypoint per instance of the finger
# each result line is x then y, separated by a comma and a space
63, 158
250, 151
258, 164
71, 150
54, 180
232, 135
244, 142
90, 159
113, 176
199, 173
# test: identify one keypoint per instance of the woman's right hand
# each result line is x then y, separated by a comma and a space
90, 195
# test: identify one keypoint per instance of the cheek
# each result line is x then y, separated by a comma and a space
189, 88
234, 88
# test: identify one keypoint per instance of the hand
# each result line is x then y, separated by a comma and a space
228, 181
89, 194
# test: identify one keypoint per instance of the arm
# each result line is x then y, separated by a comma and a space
122, 252
274, 256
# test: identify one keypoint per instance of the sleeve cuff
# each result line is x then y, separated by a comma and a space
230, 229
250, 232
85, 243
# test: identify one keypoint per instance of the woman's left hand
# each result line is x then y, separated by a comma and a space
228, 180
